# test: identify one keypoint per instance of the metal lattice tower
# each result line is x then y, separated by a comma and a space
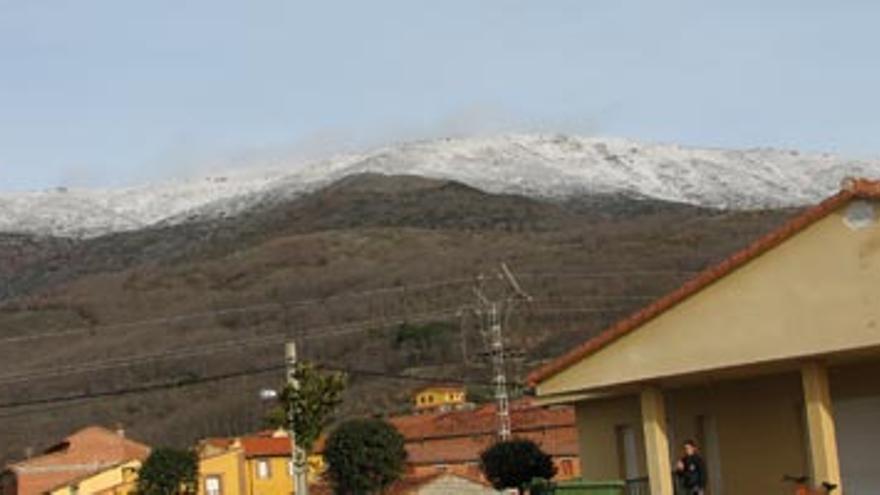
497, 354
493, 314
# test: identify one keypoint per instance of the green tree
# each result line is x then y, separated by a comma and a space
364, 457
169, 471
515, 463
313, 403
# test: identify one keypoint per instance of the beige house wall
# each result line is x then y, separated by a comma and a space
598, 423
813, 295
759, 429
761, 432
759, 421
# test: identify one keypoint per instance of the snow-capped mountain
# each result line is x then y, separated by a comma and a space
552, 166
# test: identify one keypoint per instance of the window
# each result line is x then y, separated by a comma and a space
290, 468
263, 470
213, 485
567, 468
630, 450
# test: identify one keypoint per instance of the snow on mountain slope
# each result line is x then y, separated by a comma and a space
553, 166
91, 212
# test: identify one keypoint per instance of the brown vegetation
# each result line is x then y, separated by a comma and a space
398, 253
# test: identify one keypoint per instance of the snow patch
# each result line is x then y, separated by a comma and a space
551, 166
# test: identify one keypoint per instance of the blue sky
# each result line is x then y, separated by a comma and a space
107, 92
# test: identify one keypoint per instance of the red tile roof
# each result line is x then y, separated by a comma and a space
851, 189
261, 444
460, 436
85, 452
266, 446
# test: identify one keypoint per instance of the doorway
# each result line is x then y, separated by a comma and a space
857, 421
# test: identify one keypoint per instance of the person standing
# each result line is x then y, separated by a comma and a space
691, 470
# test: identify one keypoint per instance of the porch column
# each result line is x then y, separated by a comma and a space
820, 425
656, 441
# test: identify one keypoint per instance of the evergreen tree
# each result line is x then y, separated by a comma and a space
515, 463
169, 471
364, 457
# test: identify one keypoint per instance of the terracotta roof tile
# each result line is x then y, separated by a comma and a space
851, 189
265, 446
261, 444
85, 452
460, 436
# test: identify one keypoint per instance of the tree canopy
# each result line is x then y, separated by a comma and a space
313, 404
169, 471
515, 463
364, 456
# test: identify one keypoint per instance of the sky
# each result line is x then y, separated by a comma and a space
100, 93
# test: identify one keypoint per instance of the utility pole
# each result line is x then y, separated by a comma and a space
297, 454
497, 353
494, 313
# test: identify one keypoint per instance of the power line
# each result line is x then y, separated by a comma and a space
327, 331
177, 384
136, 390
323, 332
206, 350
275, 305
586, 309
91, 331
606, 274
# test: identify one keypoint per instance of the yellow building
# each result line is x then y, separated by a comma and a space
443, 397
87, 461
251, 465
769, 360
116, 480
222, 469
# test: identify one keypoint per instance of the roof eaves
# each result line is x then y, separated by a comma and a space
852, 188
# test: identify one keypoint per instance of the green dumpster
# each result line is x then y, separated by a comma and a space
579, 487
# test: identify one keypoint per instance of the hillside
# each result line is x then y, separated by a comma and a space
368, 272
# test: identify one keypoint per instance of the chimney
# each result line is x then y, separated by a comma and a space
120, 430
28, 452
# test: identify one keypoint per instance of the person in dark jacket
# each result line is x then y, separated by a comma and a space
691, 470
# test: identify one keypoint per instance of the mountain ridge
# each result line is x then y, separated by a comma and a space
555, 167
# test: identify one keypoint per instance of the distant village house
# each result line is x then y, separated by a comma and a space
93, 460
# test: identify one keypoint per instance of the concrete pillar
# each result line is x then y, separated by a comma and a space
656, 441
825, 465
